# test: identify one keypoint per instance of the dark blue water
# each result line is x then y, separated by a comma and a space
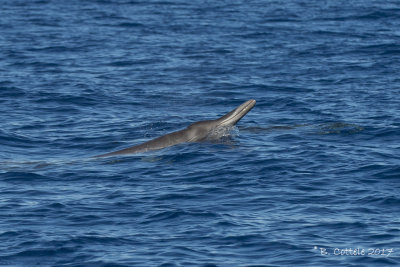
308, 177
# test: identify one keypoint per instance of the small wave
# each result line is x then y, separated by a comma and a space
221, 133
21, 176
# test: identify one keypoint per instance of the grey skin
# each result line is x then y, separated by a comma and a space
195, 132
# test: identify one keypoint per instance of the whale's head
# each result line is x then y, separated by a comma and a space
201, 130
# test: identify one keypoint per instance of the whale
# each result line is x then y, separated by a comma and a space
195, 132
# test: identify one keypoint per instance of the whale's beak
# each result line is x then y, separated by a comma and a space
235, 115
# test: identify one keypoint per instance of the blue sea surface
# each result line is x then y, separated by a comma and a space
309, 177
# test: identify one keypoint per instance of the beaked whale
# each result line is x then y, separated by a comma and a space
195, 132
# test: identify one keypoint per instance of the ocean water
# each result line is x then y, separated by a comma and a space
309, 177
